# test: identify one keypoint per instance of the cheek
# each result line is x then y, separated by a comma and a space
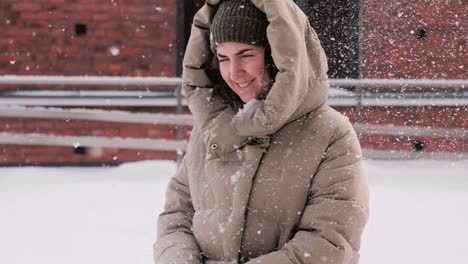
224, 72
258, 69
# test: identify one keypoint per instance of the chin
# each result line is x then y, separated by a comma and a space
246, 100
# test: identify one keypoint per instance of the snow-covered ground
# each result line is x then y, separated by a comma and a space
108, 215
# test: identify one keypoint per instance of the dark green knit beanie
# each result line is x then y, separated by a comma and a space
239, 21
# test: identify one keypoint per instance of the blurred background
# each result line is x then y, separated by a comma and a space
397, 69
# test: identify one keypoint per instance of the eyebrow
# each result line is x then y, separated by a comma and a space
238, 53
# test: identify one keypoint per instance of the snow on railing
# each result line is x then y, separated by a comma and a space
96, 115
174, 81
402, 155
180, 145
405, 83
187, 120
89, 80
419, 131
12, 104
94, 141
337, 97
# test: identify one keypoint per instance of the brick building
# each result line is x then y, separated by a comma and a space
363, 39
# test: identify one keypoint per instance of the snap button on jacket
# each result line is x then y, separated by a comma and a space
278, 183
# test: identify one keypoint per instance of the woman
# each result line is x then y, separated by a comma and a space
271, 174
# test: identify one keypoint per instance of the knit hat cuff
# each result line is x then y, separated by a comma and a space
239, 29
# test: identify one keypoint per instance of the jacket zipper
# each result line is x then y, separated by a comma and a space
264, 150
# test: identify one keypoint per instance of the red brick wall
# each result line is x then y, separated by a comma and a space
391, 49
33, 155
444, 117
11, 155
124, 37
424, 116
414, 40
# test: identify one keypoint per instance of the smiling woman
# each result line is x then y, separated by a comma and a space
275, 180
238, 37
242, 67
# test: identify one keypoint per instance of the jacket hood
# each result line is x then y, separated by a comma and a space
301, 84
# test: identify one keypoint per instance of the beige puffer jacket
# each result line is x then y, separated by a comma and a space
279, 182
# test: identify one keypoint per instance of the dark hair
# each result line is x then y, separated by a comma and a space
222, 89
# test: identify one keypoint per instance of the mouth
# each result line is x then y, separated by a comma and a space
244, 85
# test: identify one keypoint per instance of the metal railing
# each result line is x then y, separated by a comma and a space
89, 80
18, 104
457, 95
163, 81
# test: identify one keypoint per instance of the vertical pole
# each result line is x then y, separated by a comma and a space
358, 109
180, 38
180, 43
359, 88
179, 109
355, 38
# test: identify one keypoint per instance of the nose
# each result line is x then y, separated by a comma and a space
236, 70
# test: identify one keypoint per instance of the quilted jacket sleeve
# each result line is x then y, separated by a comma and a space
336, 212
176, 243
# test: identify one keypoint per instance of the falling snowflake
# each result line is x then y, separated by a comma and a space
179, 152
235, 177
114, 51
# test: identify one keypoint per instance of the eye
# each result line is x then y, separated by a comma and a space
246, 56
222, 59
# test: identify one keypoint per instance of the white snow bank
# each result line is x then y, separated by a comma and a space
81, 215
108, 215
417, 212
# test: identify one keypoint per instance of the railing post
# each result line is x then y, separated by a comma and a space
179, 110
358, 109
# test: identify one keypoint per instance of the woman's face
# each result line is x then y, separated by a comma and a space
242, 67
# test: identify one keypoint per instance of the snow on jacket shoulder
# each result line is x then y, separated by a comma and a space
281, 182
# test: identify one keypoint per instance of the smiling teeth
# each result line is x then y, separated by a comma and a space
244, 84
